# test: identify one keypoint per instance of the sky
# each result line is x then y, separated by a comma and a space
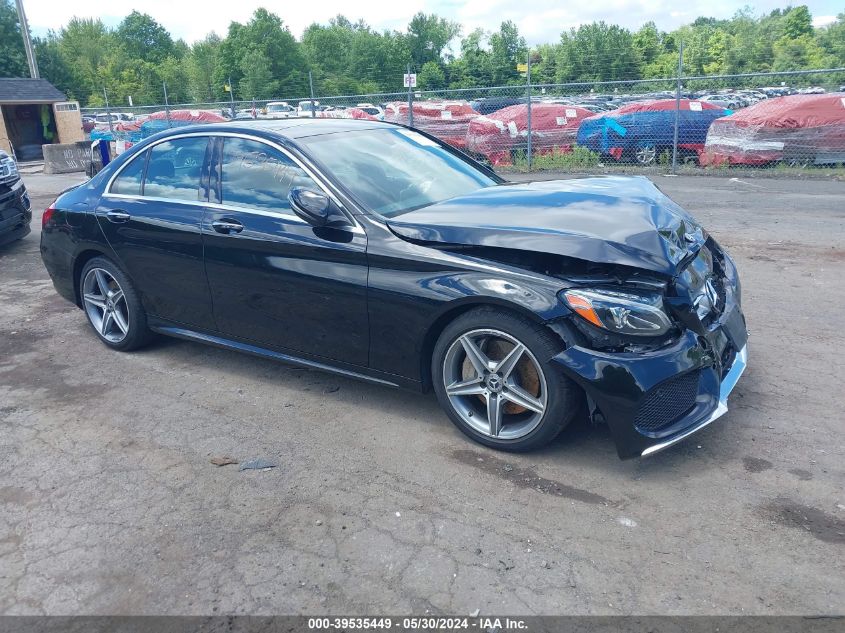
539, 21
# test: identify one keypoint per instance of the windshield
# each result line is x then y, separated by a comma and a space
392, 171
278, 108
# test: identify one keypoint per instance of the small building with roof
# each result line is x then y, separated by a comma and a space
33, 113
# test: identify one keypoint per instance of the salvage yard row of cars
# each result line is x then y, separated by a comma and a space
797, 129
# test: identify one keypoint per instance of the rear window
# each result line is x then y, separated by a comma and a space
173, 169
128, 183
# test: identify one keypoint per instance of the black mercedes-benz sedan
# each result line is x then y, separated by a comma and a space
376, 251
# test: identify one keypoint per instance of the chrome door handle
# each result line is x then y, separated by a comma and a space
117, 216
227, 226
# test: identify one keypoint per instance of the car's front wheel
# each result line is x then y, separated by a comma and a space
112, 305
493, 376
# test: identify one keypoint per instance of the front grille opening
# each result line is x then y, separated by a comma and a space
667, 402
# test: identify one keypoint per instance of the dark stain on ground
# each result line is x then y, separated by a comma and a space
15, 342
821, 525
755, 464
526, 477
803, 475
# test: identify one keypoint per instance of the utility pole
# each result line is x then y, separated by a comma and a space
677, 108
108, 111
410, 100
311, 84
232, 96
528, 79
166, 103
27, 42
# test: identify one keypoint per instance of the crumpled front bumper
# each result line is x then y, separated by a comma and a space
629, 387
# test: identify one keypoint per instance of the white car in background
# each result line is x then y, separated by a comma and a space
279, 110
306, 107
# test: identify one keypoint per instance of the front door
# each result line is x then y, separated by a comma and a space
276, 280
151, 217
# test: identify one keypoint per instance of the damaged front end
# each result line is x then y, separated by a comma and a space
659, 364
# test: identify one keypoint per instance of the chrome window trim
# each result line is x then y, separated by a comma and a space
313, 174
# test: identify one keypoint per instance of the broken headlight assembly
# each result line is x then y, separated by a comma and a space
620, 312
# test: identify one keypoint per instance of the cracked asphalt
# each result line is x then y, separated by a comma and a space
109, 503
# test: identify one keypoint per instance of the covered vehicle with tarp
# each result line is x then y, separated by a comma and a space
643, 130
500, 137
346, 113
141, 128
447, 120
796, 129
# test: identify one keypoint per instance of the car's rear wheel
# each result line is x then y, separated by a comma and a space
112, 305
493, 376
646, 153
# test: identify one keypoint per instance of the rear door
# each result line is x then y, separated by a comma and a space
276, 280
151, 216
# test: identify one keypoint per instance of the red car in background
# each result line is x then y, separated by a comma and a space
447, 120
499, 137
797, 129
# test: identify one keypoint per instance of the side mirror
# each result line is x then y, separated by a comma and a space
316, 208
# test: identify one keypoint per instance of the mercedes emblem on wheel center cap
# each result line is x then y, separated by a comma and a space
494, 383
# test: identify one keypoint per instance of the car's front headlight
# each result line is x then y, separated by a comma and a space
620, 312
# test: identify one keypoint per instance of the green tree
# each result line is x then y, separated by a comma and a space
12, 53
86, 45
52, 64
201, 64
428, 37
798, 22
598, 52
266, 35
141, 37
432, 77
507, 49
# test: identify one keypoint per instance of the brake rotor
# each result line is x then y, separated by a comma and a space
524, 372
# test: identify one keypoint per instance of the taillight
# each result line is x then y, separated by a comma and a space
48, 215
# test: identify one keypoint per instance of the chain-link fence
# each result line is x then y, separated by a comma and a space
788, 120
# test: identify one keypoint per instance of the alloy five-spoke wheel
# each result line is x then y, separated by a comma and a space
495, 384
105, 304
112, 305
495, 376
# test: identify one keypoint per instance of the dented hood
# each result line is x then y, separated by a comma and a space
613, 220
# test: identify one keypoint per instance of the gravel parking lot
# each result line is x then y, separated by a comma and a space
110, 504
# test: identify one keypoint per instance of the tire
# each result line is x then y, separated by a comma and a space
120, 300
646, 153
533, 381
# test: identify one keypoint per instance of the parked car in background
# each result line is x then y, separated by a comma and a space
488, 105
721, 101
800, 130
376, 252
373, 110
306, 108
501, 137
15, 211
279, 110
641, 132
447, 120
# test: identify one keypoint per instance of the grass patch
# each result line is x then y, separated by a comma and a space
579, 157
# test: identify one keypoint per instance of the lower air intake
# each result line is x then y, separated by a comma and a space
667, 402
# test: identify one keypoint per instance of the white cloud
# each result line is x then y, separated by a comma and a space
823, 20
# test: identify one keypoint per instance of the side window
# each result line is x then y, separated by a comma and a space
257, 176
129, 181
173, 170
